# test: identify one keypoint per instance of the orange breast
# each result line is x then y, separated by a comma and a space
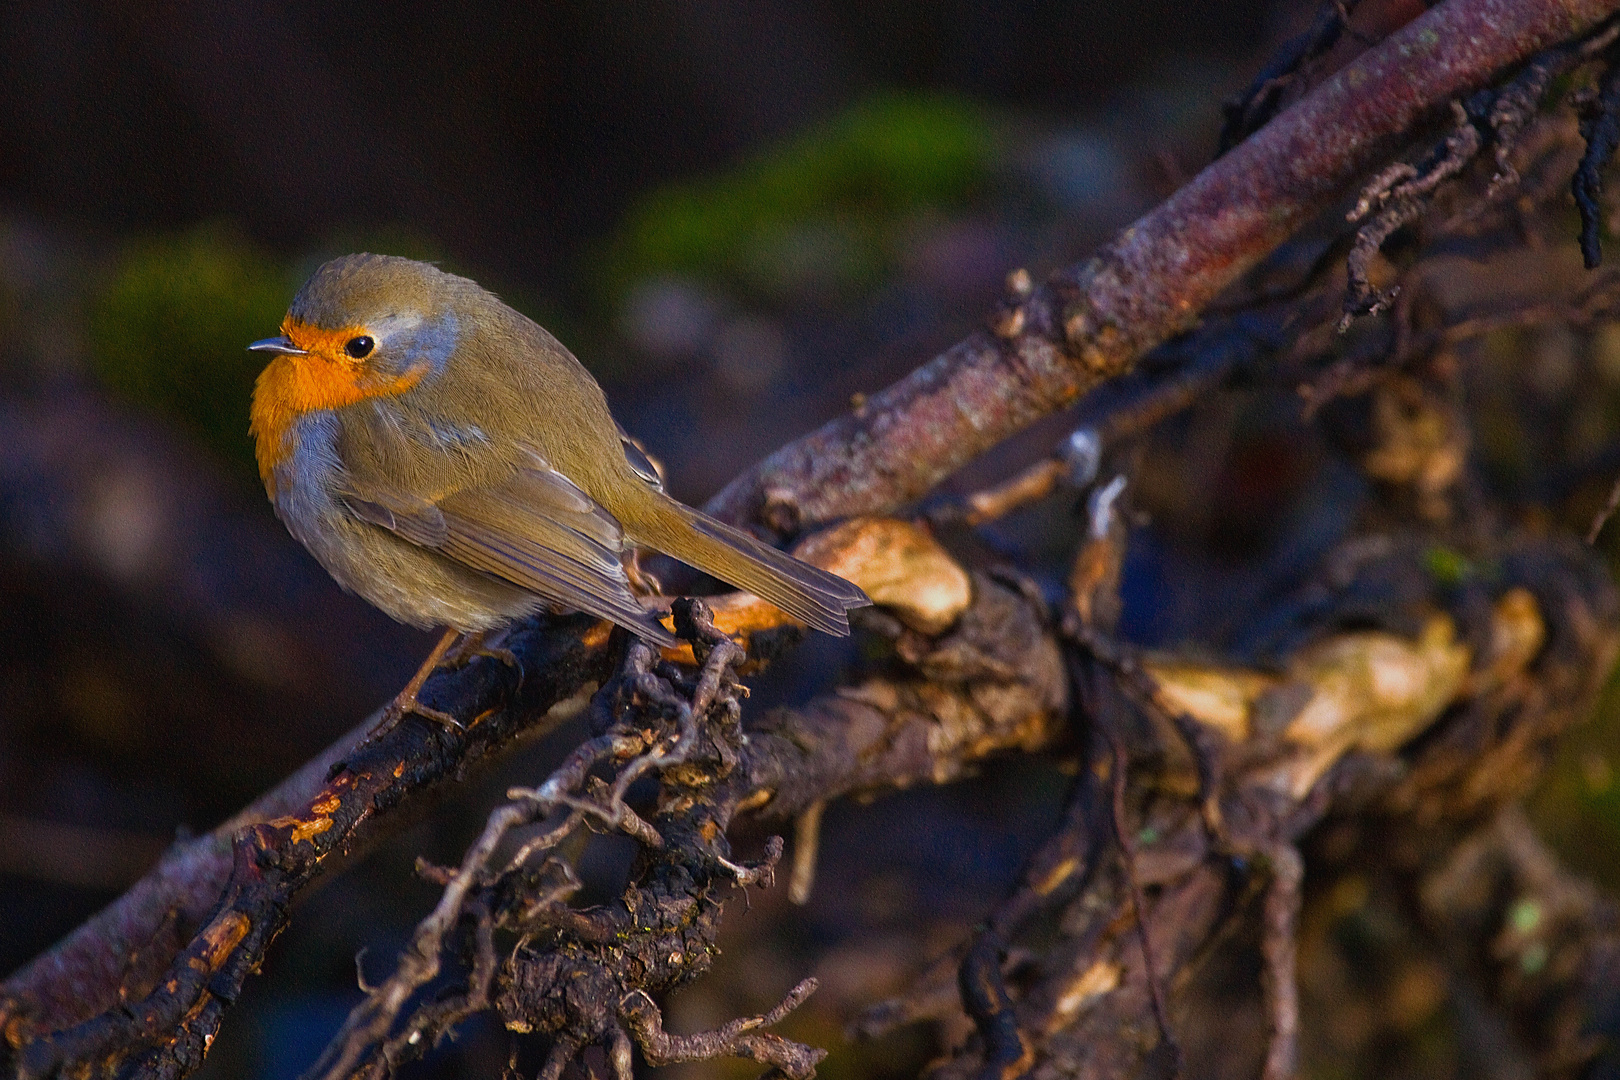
327, 378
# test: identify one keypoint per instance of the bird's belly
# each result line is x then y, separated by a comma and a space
409, 583
412, 584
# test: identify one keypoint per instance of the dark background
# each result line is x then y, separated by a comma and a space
513, 133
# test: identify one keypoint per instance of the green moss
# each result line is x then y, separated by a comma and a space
1451, 569
813, 212
1447, 565
1577, 806
170, 329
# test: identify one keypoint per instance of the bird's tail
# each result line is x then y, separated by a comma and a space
809, 594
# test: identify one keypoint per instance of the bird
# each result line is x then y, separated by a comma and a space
451, 462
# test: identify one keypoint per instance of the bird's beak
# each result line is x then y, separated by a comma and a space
281, 345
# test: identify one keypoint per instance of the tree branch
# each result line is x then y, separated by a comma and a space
1091, 322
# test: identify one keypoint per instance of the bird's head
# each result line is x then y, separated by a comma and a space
363, 326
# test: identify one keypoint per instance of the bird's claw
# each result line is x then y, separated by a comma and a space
405, 705
474, 645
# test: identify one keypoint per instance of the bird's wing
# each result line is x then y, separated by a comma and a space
415, 519
535, 529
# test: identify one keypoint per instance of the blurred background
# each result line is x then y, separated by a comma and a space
739, 214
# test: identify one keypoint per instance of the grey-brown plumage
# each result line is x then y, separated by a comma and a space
450, 461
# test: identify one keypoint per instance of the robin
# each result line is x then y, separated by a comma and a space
450, 461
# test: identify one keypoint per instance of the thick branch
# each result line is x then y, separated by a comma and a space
990, 682
994, 683
1091, 322
344, 799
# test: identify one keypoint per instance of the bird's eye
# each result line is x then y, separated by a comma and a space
359, 347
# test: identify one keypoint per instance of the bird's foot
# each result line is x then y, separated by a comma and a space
483, 643
406, 702
480, 643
